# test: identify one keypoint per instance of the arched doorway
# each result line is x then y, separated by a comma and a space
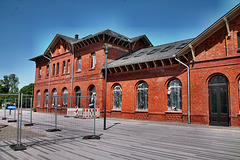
92, 91
218, 101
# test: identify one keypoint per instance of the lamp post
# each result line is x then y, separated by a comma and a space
106, 48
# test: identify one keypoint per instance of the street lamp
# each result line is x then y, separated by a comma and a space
106, 48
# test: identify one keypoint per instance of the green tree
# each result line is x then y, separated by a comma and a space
9, 84
27, 89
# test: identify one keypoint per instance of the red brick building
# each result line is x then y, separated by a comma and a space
191, 81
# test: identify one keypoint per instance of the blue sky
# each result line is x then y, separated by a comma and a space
27, 27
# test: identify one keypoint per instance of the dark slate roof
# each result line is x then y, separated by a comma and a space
164, 51
68, 39
116, 35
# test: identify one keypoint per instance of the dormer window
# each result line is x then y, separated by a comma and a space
40, 73
64, 67
65, 47
238, 39
93, 61
59, 49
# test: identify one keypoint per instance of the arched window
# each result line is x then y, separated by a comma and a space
239, 93
78, 97
117, 97
142, 96
54, 103
174, 95
38, 98
65, 97
238, 38
46, 98
92, 96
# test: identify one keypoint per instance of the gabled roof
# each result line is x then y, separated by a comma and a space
90, 39
211, 29
160, 52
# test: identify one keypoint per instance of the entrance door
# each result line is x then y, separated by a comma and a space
218, 101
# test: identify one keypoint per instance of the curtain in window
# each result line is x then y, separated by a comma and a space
46, 98
79, 63
93, 60
142, 96
68, 68
174, 95
117, 97
65, 97
39, 98
78, 97
54, 104
92, 96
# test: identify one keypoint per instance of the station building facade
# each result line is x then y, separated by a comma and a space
190, 81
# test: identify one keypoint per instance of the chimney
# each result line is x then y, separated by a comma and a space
76, 36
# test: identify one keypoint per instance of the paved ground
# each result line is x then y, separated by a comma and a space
127, 139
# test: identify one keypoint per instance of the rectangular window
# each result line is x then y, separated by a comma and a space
93, 61
40, 73
238, 38
53, 70
47, 70
57, 69
64, 67
79, 63
59, 49
68, 67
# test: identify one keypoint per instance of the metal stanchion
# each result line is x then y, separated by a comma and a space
55, 129
4, 113
19, 146
94, 136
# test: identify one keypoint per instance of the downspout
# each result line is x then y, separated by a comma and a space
49, 78
188, 78
72, 75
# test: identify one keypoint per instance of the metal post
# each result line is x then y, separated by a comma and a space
48, 76
72, 76
106, 47
55, 117
15, 110
5, 113
105, 96
31, 110
20, 131
94, 125
18, 119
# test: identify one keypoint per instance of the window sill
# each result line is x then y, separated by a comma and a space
116, 110
141, 111
78, 71
91, 69
173, 112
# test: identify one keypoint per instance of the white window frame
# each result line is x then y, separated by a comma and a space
177, 91
38, 98
68, 67
142, 92
46, 98
65, 97
79, 63
117, 97
54, 103
93, 56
